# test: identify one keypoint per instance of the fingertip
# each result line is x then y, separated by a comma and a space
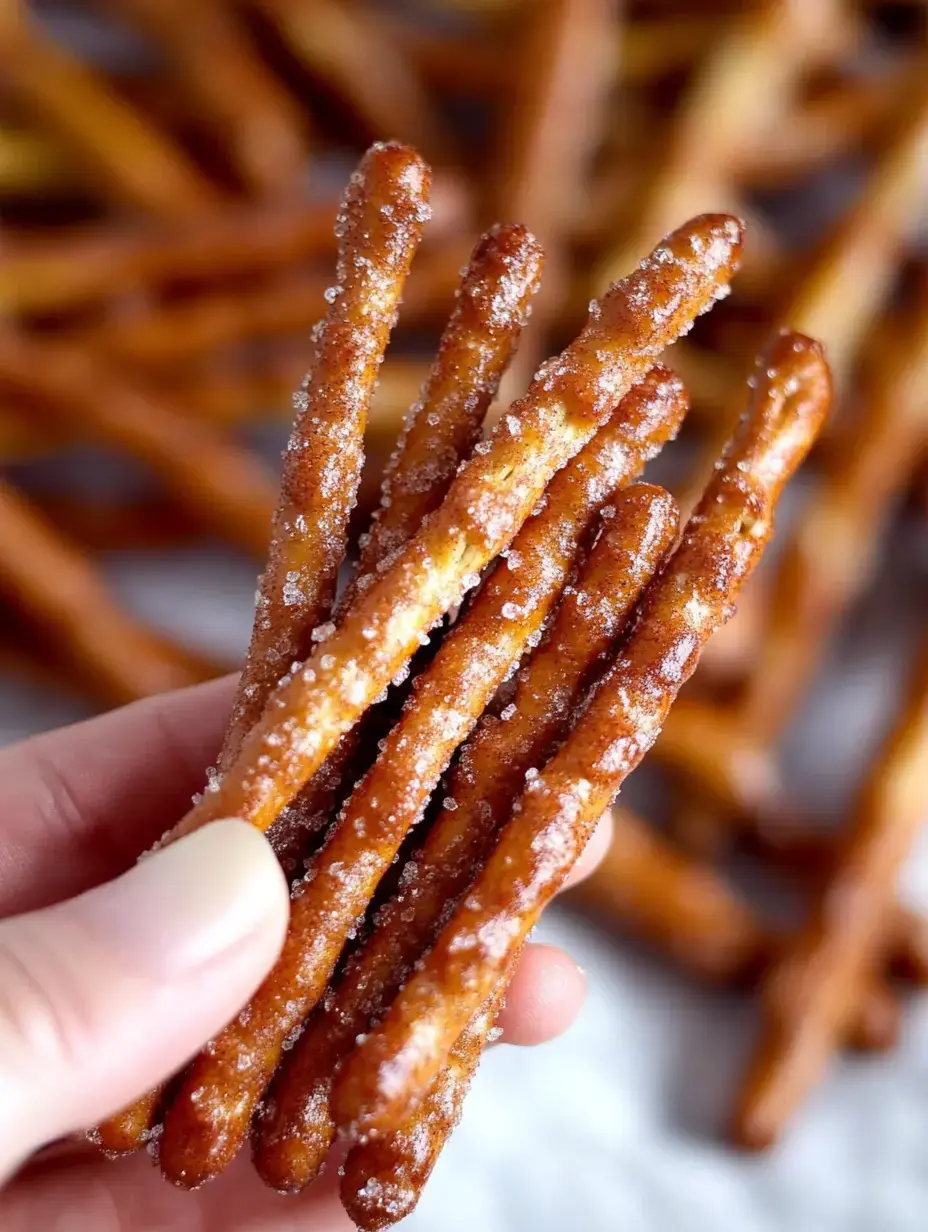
544, 998
593, 853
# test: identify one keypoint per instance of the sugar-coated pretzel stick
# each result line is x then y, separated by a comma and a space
244, 103
338, 45
492, 305
571, 396
738, 91
138, 165
296, 1131
211, 1110
379, 228
73, 267
831, 554
47, 578
399, 1059
222, 485
809, 992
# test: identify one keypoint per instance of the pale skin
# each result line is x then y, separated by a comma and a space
77, 807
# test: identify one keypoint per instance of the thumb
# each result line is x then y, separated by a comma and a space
106, 995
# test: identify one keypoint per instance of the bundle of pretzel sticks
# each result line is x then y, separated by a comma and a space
166, 247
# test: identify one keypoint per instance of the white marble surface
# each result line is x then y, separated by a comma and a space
616, 1125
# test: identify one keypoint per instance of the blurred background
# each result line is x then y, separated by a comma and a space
169, 175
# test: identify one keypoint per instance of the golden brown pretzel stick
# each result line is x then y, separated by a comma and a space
47, 578
850, 274
210, 1113
233, 91
138, 165
808, 994
571, 397
728, 766
379, 229
832, 552
482, 333
31, 163
74, 267
296, 1132
397, 1061
339, 46
738, 92
222, 485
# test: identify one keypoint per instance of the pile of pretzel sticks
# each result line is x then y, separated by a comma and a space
167, 246
563, 574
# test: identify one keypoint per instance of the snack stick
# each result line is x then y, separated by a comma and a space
738, 92
339, 46
212, 1108
852, 271
44, 576
809, 993
138, 165
398, 1060
832, 552
379, 229
383, 1179
483, 331
223, 486
489, 499
296, 1131
31, 163
73, 267
241, 99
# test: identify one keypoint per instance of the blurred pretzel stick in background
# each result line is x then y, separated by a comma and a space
30, 162
47, 579
297, 1131
340, 46
473, 660
397, 1061
223, 486
238, 97
808, 992
138, 165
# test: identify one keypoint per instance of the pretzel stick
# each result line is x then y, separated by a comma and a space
248, 109
379, 229
490, 497
223, 486
738, 92
44, 576
338, 45
138, 165
398, 1060
851, 273
30, 163
832, 553
296, 1131
210, 1114
809, 992
482, 333
73, 267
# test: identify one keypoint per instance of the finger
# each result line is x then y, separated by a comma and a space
106, 995
544, 997
94, 1193
593, 853
77, 806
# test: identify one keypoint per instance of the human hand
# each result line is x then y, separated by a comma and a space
108, 986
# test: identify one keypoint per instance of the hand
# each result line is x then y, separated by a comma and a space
108, 986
